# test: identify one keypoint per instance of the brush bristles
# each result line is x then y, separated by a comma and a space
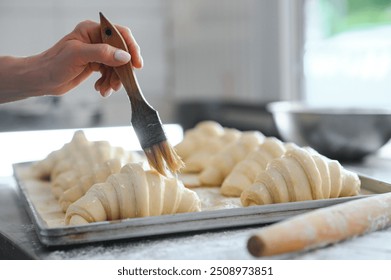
162, 156
174, 162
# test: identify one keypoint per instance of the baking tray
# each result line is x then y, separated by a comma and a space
52, 233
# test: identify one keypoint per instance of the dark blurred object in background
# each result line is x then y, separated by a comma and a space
243, 116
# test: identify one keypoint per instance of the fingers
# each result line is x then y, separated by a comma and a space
103, 83
115, 82
101, 53
90, 50
108, 82
134, 48
88, 32
108, 55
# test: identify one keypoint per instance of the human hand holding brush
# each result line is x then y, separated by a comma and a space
68, 63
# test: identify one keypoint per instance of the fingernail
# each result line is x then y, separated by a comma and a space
108, 92
121, 56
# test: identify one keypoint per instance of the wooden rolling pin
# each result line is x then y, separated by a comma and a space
323, 226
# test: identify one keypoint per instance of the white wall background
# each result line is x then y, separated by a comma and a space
193, 50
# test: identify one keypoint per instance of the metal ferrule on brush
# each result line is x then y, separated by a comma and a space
147, 125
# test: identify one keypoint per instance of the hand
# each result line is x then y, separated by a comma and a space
78, 54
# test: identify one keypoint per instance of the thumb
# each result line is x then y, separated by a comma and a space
104, 53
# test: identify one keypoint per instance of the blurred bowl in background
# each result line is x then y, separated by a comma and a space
345, 134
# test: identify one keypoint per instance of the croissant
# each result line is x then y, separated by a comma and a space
195, 137
72, 175
81, 184
222, 163
301, 174
66, 166
43, 168
244, 173
133, 192
201, 142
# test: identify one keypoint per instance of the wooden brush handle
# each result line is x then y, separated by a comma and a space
129, 81
323, 226
111, 35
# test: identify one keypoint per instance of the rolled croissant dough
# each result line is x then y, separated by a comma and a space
51, 213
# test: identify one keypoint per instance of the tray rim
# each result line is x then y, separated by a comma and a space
175, 223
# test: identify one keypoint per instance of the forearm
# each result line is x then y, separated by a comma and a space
19, 78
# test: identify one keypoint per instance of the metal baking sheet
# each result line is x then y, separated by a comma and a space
59, 235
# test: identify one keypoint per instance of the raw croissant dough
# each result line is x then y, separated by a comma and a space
301, 174
97, 174
222, 163
66, 166
202, 142
244, 173
133, 192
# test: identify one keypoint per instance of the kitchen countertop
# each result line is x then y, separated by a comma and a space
18, 239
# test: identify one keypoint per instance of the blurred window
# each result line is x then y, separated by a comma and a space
347, 52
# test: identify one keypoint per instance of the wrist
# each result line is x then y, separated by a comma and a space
20, 78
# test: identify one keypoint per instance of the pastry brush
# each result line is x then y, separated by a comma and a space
145, 119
